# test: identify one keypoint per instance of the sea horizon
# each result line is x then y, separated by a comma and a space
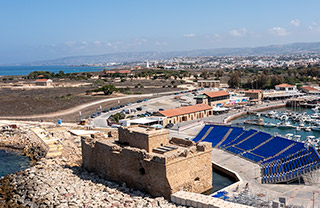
25, 70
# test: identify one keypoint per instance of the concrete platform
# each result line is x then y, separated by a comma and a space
250, 173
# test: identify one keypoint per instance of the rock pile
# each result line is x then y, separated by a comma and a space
52, 183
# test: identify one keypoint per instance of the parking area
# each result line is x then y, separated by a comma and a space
143, 107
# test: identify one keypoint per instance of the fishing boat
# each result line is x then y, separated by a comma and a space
307, 129
289, 136
316, 128
269, 125
297, 138
285, 125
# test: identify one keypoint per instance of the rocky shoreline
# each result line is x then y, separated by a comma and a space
62, 182
24, 141
53, 183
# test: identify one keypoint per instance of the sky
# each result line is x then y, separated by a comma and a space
36, 30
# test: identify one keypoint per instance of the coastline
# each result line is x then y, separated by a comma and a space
7, 71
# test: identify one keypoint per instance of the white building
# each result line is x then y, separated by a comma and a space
285, 87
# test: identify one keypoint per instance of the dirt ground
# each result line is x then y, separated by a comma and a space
40, 101
48, 100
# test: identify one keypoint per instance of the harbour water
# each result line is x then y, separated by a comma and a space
275, 130
11, 162
25, 70
219, 181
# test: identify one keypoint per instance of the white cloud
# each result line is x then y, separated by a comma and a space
190, 35
97, 42
314, 27
158, 43
239, 33
279, 31
70, 44
295, 22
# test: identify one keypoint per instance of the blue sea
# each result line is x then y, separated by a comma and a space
25, 70
12, 161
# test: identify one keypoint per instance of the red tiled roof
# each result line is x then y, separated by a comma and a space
185, 110
216, 94
124, 71
42, 80
254, 91
284, 85
308, 88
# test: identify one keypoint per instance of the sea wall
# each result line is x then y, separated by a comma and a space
237, 115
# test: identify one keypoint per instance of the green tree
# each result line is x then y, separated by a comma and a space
234, 80
108, 89
219, 73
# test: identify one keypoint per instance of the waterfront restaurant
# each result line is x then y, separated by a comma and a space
285, 87
254, 94
218, 98
310, 90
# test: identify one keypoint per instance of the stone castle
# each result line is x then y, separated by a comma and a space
145, 159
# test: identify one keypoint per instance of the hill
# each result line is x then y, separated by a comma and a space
287, 49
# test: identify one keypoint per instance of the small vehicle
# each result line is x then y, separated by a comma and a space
83, 122
98, 113
146, 99
105, 111
112, 108
121, 106
161, 109
169, 126
93, 115
139, 101
139, 109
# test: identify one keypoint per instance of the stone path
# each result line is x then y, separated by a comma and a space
54, 144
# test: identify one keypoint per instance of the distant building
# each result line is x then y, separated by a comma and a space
44, 82
187, 113
254, 94
209, 83
120, 72
285, 87
218, 98
310, 90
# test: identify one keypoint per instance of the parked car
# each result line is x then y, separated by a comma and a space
161, 109
98, 113
146, 99
169, 126
139, 101
105, 111
93, 115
